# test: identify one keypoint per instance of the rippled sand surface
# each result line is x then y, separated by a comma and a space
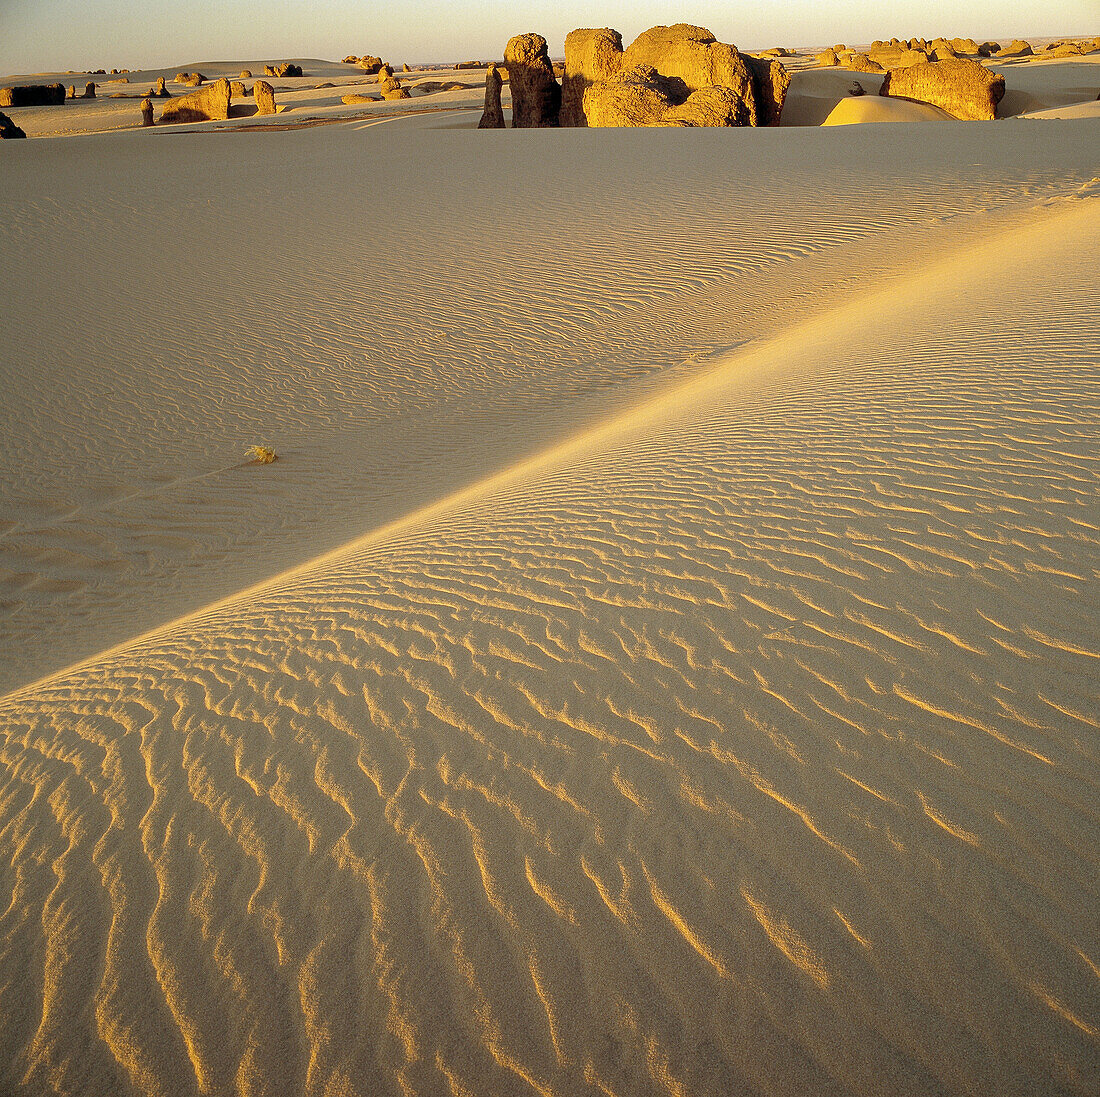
663, 661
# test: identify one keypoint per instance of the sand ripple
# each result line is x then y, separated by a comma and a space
745, 744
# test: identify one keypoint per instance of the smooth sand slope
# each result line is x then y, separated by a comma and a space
698, 695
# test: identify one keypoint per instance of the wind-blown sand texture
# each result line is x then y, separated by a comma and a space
662, 661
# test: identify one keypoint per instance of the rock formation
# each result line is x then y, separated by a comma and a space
33, 95
287, 69
246, 74
770, 81
385, 72
89, 91
72, 91
692, 56
190, 79
354, 98
147, 111
988, 49
405, 68
8, 129
828, 59
715, 106
636, 96
689, 60
370, 65
536, 95
397, 92
161, 91
592, 56
388, 83
860, 62
964, 45
209, 104
965, 89
237, 89
493, 116
1019, 48
264, 94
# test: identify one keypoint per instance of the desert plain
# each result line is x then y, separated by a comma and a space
663, 656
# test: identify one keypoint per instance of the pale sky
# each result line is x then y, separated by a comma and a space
56, 35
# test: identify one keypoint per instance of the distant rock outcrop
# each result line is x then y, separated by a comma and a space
190, 79
592, 56
860, 62
208, 105
963, 88
354, 98
536, 95
665, 67
89, 91
33, 95
370, 65
1019, 48
828, 59
8, 129
287, 69
161, 92
147, 111
493, 116
72, 91
264, 94
245, 74
964, 45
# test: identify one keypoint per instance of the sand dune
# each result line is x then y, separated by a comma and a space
662, 661
737, 735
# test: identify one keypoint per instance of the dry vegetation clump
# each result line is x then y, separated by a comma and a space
261, 455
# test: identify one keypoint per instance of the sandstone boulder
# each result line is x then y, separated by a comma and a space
388, 83
147, 111
1066, 49
287, 69
351, 59
72, 91
715, 106
397, 92
245, 74
964, 45
988, 49
405, 68
770, 81
8, 129
592, 56
1019, 48
264, 94
493, 116
237, 89
33, 95
355, 97
190, 79
370, 65
384, 73
965, 89
89, 91
536, 95
161, 92
828, 59
209, 104
692, 56
636, 96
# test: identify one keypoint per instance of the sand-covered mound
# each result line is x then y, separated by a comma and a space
857, 109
